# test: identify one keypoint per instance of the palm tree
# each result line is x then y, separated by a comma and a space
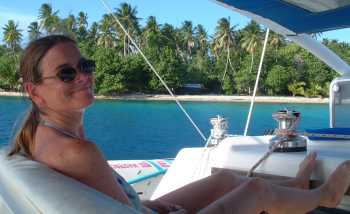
171, 38
188, 38
127, 17
49, 21
82, 20
34, 31
224, 37
82, 26
93, 33
69, 25
201, 37
251, 39
276, 41
107, 35
12, 35
224, 41
151, 33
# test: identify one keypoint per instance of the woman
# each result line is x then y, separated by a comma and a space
59, 83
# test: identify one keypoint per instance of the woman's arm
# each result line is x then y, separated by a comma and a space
82, 160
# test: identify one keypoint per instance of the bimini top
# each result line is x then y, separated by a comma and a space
299, 16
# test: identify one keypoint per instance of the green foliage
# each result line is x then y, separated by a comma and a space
180, 55
244, 81
314, 91
297, 88
198, 71
12, 35
8, 73
277, 80
170, 69
125, 74
228, 86
112, 85
135, 74
107, 65
317, 90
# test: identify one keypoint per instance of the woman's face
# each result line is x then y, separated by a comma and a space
57, 95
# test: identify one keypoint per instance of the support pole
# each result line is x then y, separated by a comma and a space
256, 83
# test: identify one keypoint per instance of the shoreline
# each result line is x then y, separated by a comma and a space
200, 98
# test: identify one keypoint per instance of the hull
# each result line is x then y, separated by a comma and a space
143, 175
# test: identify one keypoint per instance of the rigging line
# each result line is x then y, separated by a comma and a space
256, 83
108, 8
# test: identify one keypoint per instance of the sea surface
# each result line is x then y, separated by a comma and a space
149, 129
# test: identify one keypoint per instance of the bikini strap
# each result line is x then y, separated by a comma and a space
49, 124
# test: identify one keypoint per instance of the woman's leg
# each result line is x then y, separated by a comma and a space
258, 195
200, 194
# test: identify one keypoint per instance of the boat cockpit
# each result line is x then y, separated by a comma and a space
27, 186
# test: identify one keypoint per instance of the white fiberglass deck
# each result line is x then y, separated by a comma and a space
241, 153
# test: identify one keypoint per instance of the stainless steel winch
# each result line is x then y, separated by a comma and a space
286, 138
219, 130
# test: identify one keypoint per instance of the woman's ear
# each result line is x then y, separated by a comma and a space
32, 91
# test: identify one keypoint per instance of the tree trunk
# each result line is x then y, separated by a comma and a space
251, 63
251, 69
226, 66
124, 44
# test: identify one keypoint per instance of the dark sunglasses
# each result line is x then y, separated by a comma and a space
68, 74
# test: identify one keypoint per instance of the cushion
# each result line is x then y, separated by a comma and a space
27, 186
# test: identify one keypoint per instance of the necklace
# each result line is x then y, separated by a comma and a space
59, 129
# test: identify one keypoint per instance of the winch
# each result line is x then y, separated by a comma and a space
286, 138
219, 130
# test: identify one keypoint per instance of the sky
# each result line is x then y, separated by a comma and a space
205, 12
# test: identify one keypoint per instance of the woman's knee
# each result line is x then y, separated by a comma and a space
224, 181
229, 176
259, 187
224, 174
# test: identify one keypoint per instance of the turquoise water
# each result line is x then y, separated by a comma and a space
147, 130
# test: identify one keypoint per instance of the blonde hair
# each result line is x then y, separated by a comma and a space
30, 72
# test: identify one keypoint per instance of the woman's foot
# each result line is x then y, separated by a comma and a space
302, 179
336, 186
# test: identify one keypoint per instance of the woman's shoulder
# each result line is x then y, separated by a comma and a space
50, 142
64, 153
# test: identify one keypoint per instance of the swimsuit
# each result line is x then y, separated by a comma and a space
132, 195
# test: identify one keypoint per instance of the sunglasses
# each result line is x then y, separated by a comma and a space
69, 73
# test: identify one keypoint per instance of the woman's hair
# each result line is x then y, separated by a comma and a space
31, 73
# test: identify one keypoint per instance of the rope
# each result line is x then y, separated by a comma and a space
256, 83
264, 157
108, 8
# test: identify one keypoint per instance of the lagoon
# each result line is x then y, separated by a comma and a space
158, 129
